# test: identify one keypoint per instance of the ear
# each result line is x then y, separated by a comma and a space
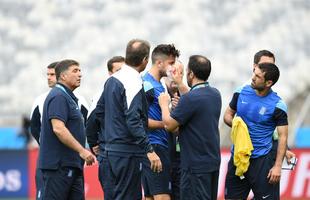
191, 74
158, 63
63, 76
269, 83
146, 59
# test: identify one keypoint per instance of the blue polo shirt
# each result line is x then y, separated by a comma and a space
262, 114
60, 104
152, 89
198, 114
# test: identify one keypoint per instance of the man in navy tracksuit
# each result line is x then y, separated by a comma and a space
95, 139
122, 112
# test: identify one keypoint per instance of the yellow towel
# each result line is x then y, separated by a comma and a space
242, 146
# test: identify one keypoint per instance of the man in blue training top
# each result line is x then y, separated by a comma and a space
157, 185
265, 56
122, 112
62, 140
262, 110
197, 115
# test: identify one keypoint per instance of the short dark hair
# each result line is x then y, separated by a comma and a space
64, 66
136, 51
114, 60
200, 66
272, 72
52, 65
162, 51
262, 53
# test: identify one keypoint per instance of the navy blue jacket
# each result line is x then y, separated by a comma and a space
122, 112
93, 129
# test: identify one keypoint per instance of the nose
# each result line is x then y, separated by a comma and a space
253, 77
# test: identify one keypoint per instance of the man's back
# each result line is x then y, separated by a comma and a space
121, 107
198, 113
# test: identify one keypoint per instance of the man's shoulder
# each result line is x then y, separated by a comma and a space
127, 75
279, 102
147, 85
243, 88
215, 91
113, 80
55, 94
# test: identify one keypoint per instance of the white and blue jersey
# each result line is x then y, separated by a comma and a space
152, 89
262, 114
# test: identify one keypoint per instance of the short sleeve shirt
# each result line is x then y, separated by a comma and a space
62, 105
198, 114
261, 115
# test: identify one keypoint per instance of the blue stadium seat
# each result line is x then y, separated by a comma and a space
302, 139
10, 138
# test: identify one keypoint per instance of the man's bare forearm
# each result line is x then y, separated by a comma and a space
183, 89
282, 144
64, 135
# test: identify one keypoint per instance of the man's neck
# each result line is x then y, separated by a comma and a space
137, 68
155, 73
197, 81
263, 92
63, 83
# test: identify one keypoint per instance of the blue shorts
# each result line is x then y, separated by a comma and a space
157, 183
124, 175
63, 183
197, 186
255, 179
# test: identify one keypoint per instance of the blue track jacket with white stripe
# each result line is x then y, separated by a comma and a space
122, 112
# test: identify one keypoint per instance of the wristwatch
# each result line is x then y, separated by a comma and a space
150, 149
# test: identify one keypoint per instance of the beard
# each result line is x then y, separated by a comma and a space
257, 87
163, 74
189, 83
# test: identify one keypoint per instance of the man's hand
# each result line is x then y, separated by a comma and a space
274, 174
177, 75
96, 150
163, 99
156, 165
175, 100
289, 154
87, 156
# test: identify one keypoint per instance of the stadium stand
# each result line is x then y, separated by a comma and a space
35, 33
